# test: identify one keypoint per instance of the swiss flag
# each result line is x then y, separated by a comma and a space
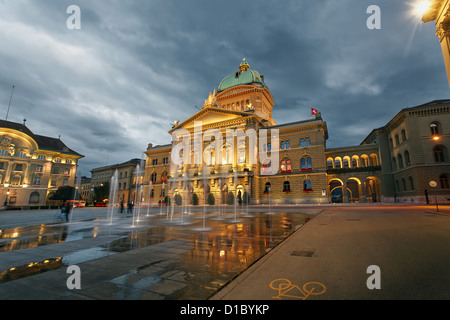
314, 111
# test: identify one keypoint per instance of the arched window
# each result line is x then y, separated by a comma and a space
345, 163
153, 177
34, 197
397, 186
286, 186
407, 158
306, 164
444, 181
403, 135
434, 128
282, 145
404, 184
267, 188
400, 161
411, 183
286, 166
330, 163
373, 160
397, 140
438, 152
307, 185
337, 163
394, 164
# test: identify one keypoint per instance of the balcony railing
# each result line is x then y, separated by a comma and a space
353, 170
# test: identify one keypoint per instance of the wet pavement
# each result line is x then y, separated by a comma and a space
157, 254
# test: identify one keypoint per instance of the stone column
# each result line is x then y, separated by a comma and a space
443, 32
363, 192
439, 11
344, 193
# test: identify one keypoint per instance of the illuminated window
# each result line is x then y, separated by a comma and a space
286, 166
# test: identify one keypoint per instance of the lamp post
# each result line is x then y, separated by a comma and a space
6, 201
433, 185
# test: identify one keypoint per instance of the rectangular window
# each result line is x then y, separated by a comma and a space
19, 167
37, 181
40, 168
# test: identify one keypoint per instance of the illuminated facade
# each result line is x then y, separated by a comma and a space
128, 178
306, 171
439, 11
32, 166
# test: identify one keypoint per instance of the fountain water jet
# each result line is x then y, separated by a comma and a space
235, 198
137, 199
112, 196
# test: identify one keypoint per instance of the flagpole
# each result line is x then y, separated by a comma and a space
10, 99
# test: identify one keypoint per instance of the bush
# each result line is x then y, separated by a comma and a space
230, 198
211, 199
194, 199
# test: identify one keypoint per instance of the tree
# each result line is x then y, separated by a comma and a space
167, 200
178, 199
211, 199
230, 198
101, 192
194, 199
65, 193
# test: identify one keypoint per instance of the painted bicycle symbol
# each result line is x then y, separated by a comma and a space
285, 288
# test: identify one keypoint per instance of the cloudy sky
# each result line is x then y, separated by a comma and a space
135, 66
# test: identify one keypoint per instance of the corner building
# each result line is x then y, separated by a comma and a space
305, 172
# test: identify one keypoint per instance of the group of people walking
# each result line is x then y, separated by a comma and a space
66, 209
130, 206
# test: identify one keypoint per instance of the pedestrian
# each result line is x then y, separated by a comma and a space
68, 211
121, 206
64, 211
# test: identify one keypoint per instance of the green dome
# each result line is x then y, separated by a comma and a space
244, 76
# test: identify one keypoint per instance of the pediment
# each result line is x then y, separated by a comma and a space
211, 116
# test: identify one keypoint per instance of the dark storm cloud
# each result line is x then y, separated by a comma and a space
117, 84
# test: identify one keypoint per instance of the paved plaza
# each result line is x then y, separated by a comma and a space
285, 253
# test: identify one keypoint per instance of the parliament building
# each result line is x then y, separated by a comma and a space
405, 161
